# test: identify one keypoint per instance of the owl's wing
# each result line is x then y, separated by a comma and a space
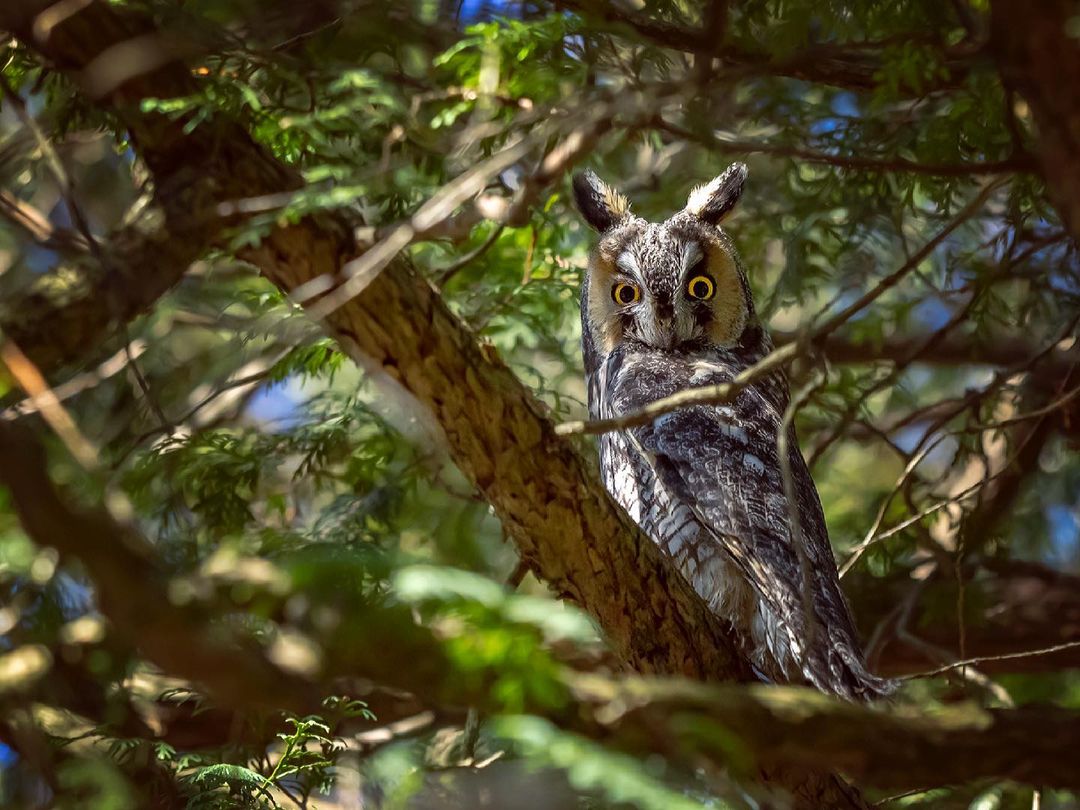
723, 462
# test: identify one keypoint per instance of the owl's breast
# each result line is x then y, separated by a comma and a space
624, 383
673, 525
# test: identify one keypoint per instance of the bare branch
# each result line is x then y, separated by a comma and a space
1018, 163
705, 395
1036, 55
855, 67
1063, 647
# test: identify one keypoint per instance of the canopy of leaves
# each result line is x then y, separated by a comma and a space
313, 503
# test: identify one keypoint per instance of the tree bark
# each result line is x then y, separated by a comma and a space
1039, 58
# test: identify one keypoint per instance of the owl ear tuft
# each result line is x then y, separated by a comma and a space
602, 206
714, 200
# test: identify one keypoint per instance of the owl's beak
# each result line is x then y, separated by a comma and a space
665, 333
665, 324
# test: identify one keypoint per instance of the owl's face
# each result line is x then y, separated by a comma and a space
669, 285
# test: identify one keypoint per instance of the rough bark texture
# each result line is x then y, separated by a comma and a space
1035, 745
1039, 58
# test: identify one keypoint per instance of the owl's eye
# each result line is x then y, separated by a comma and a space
625, 294
701, 287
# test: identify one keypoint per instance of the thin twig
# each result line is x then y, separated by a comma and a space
249, 379
821, 445
1068, 645
871, 533
80, 382
453, 269
144, 386
705, 395
974, 676
37, 226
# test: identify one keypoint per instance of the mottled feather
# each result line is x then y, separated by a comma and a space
706, 482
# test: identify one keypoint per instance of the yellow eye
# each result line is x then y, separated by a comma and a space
701, 287
625, 294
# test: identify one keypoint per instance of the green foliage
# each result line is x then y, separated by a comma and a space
295, 491
503, 633
591, 768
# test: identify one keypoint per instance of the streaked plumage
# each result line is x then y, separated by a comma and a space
705, 482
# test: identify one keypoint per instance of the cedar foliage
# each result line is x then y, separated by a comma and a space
301, 508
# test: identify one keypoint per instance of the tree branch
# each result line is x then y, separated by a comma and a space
1037, 54
790, 727
62, 315
853, 67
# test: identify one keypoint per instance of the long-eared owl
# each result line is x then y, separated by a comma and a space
666, 307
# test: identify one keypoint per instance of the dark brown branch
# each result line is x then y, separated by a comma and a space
1022, 163
854, 67
65, 313
782, 726
1037, 56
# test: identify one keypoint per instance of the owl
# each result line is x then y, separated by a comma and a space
666, 307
